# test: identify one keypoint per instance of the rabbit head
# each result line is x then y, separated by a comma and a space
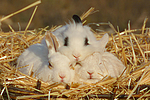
62, 70
76, 40
89, 71
97, 66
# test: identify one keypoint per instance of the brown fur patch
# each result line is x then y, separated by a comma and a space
56, 44
49, 40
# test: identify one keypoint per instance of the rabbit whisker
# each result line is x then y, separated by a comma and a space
101, 75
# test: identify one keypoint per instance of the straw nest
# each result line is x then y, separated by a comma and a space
132, 47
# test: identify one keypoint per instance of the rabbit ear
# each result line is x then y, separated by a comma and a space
55, 41
104, 40
77, 19
51, 42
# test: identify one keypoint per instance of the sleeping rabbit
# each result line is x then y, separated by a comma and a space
45, 63
76, 40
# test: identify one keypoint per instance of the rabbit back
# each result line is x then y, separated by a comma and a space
114, 66
33, 58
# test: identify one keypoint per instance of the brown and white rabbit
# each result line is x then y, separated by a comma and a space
77, 41
97, 66
46, 63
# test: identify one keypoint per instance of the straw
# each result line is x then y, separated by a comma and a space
21, 10
30, 19
130, 46
138, 82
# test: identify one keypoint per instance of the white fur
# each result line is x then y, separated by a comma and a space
100, 65
38, 57
76, 34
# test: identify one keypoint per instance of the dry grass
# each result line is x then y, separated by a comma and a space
132, 47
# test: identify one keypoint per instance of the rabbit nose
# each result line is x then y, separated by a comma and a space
76, 56
62, 76
90, 73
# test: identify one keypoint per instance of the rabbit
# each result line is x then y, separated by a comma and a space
97, 66
77, 41
88, 70
45, 63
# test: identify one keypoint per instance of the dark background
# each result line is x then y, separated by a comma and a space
57, 12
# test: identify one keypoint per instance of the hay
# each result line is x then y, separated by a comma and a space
132, 47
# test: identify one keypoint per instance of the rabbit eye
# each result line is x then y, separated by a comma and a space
50, 65
100, 63
66, 41
78, 63
71, 66
86, 42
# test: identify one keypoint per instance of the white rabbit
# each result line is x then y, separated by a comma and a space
97, 66
77, 41
46, 63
